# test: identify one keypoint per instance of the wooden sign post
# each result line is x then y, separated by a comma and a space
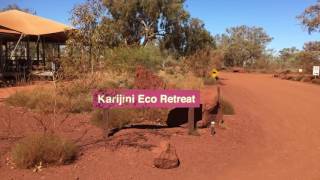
191, 122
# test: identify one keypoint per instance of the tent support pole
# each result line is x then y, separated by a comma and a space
1, 56
6, 51
28, 55
43, 52
59, 53
38, 50
12, 53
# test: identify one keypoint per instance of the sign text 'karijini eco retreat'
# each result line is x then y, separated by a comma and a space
146, 98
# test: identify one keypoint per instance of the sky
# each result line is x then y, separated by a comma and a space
277, 17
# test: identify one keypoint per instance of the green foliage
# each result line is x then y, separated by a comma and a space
126, 59
45, 149
243, 45
200, 63
140, 21
288, 58
307, 59
109, 24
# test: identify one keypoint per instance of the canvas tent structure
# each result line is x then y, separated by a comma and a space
28, 43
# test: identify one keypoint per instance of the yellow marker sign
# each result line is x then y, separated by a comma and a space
214, 73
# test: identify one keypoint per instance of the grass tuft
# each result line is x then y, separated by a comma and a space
227, 107
209, 81
44, 149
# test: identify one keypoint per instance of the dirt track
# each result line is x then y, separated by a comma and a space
280, 123
274, 135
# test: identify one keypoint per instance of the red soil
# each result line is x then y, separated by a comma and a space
274, 135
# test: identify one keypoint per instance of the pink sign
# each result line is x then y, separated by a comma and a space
145, 98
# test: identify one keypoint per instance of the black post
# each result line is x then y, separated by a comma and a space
220, 108
106, 129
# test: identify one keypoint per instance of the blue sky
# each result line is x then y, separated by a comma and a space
277, 17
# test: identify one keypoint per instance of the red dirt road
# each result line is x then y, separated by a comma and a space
281, 123
274, 135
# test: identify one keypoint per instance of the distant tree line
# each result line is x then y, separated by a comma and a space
109, 24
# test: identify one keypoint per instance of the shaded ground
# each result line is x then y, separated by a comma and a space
274, 135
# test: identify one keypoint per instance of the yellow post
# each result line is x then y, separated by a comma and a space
214, 73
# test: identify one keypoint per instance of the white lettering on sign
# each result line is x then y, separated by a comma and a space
316, 70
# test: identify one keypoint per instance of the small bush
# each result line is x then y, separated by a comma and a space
118, 118
298, 78
39, 99
19, 99
45, 149
200, 63
227, 107
209, 81
181, 81
71, 97
316, 81
146, 79
125, 59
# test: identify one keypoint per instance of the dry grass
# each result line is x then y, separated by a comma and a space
181, 81
227, 107
209, 81
68, 97
44, 149
118, 118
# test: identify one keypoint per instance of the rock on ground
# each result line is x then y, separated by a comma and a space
167, 159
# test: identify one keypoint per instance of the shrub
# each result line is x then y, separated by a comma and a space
316, 81
39, 99
227, 107
200, 63
146, 79
181, 81
19, 99
126, 59
298, 77
73, 97
45, 149
209, 81
118, 118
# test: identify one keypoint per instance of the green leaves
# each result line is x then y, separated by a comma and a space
108, 24
243, 45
